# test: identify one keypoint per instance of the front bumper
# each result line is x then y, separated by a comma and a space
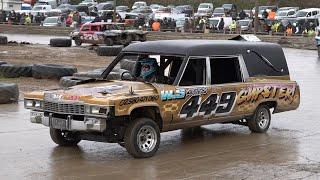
89, 123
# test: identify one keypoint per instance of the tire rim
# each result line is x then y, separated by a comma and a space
263, 118
147, 138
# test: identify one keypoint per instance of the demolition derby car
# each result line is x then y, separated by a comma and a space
107, 33
174, 84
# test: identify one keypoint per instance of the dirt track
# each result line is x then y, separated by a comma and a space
81, 57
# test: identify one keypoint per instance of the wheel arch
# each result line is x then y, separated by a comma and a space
270, 104
152, 112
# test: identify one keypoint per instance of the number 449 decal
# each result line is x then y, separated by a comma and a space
210, 106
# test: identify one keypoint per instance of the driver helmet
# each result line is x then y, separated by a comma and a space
148, 67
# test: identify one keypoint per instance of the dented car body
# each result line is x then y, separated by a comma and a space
198, 82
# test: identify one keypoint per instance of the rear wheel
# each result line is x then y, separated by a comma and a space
142, 138
260, 121
108, 41
64, 138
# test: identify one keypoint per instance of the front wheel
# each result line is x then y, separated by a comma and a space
260, 121
64, 138
142, 138
108, 41
77, 41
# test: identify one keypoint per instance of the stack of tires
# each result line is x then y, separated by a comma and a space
3, 40
9, 92
60, 42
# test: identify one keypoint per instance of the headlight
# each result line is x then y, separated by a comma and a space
28, 103
36, 104
97, 110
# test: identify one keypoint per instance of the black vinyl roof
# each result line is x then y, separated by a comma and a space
255, 66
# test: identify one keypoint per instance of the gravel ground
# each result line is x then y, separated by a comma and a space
81, 57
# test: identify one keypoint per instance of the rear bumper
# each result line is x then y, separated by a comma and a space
89, 123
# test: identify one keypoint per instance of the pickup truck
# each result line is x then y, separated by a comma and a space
174, 84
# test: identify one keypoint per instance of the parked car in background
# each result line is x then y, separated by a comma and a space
64, 8
25, 8
205, 9
288, 8
219, 12
138, 4
161, 13
245, 24
248, 13
155, 7
146, 11
308, 13
131, 18
184, 9
52, 3
214, 22
54, 21
45, 9
285, 13
230, 9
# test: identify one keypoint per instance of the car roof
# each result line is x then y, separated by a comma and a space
273, 52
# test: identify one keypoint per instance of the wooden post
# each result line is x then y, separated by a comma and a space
256, 18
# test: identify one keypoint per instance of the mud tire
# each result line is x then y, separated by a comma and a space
60, 42
127, 64
131, 137
15, 71
109, 50
77, 41
52, 71
143, 37
9, 92
255, 122
70, 139
68, 81
3, 40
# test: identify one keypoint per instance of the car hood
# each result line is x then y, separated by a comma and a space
101, 92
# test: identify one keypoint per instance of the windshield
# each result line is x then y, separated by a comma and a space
244, 23
282, 13
204, 6
227, 6
37, 8
87, 1
51, 20
62, 6
104, 6
214, 22
301, 14
163, 10
218, 10
139, 4
121, 8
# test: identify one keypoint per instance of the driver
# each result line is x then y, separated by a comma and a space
148, 70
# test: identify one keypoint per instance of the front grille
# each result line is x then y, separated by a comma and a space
64, 108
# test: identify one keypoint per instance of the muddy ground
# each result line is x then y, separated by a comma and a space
84, 58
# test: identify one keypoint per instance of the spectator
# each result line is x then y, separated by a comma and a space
265, 14
221, 24
233, 26
31, 17
37, 18
97, 19
242, 14
69, 21
27, 20
272, 14
156, 26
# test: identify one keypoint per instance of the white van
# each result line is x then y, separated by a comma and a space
214, 21
308, 13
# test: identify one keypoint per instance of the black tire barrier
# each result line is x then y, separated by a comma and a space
2, 62
91, 74
69, 81
109, 50
60, 42
9, 92
3, 40
15, 71
52, 71
127, 64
